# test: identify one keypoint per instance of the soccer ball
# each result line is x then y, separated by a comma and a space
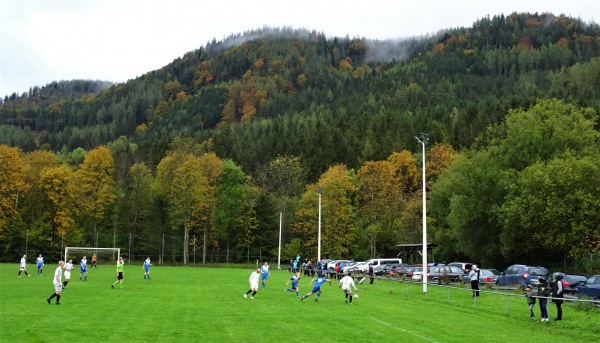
355, 296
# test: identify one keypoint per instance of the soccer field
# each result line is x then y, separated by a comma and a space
185, 304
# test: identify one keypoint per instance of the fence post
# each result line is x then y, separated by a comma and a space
448, 295
507, 304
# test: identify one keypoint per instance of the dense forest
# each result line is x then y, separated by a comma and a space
223, 143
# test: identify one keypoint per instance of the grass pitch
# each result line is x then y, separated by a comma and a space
185, 304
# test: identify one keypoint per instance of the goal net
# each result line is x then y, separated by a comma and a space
103, 255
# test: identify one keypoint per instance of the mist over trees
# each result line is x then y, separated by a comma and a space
222, 143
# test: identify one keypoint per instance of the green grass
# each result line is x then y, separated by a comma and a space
181, 304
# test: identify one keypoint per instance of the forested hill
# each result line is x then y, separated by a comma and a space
270, 92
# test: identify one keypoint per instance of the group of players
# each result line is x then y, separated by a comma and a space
346, 284
59, 285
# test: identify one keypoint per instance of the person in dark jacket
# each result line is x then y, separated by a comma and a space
371, 275
557, 294
543, 291
530, 295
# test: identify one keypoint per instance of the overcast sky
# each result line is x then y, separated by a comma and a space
115, 40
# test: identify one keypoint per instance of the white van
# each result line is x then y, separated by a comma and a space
380, 262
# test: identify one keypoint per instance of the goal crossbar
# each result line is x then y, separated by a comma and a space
92, 249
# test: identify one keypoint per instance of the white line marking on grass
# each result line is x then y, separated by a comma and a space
403, 330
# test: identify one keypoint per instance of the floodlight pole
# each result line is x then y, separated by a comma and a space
26, 242
320, 191
423, 141
280, 226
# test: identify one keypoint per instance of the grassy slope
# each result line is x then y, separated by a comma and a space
206, 305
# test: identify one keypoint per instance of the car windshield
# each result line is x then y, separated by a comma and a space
538, 271
575, 278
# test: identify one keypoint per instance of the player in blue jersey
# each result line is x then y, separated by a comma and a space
265, 274
295, 279
40, 264
317, 287
83, 269
147, 265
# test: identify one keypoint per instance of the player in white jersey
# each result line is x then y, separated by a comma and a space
265, 274
345, 284
57, 282
23, 266
253, 283
68, 267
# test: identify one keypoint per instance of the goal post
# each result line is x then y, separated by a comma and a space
78, 252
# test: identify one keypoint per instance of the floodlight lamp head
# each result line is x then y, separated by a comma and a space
422, 138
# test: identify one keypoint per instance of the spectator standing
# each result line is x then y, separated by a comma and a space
557, 295
543, 292
530, 295
474, 277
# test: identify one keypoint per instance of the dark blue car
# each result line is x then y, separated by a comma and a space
590, 288
522, 275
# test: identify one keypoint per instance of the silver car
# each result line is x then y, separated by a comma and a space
486, 277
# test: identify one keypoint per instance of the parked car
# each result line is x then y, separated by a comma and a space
380, 262
522, 275
486, 277
390, 268
378, 270
571, 280
402, 269
331, 266
417, 273
465, 266
354, 267
590, 287
410, 270
444, 274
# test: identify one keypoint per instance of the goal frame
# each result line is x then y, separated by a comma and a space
92, 250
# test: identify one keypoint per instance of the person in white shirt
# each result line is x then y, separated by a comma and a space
23, 266
474, 277
345, 284
68, 267
57, 282
253, 283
